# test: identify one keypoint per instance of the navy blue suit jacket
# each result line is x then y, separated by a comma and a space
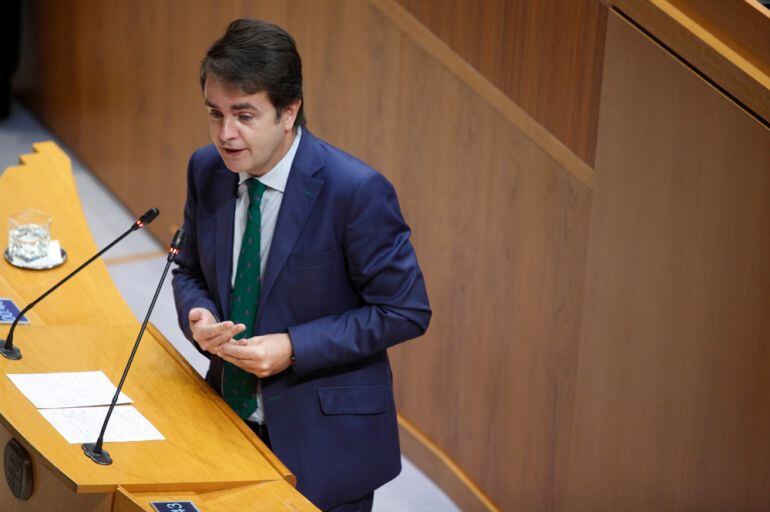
342, 279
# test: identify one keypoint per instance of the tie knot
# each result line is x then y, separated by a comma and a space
256, 189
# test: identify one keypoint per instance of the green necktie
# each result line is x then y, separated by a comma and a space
239, 387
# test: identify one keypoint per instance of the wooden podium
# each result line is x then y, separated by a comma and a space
209, 456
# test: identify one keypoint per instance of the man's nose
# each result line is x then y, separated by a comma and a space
227, 130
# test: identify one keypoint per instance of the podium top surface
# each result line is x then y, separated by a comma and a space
165, 390
44, 181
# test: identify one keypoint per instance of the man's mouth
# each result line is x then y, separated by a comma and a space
233, 152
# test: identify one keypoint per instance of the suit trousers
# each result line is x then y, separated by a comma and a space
361, 505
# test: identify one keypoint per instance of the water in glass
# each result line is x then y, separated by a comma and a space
28, 243
29, 233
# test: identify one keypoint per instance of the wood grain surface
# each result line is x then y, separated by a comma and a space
178, 406
48, 489
275, 496
743, 25
728, 42
545, 55
673, 392
44, 181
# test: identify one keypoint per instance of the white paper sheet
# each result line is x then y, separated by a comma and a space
67, 389
82, 424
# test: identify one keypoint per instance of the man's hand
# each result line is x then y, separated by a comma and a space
209, 333
261, 355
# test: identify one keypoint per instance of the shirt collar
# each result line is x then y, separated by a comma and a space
277, 177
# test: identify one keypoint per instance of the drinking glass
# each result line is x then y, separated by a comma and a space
29, 232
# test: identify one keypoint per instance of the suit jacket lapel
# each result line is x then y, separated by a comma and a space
299, 197
224, 237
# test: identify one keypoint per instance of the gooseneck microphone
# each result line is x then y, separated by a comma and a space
94, 451
8, 349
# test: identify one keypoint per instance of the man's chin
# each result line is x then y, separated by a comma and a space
240, 168
234, 164
235, 168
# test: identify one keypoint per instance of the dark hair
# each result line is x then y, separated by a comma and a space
258, 56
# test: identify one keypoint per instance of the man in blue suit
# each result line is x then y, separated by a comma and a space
297, 274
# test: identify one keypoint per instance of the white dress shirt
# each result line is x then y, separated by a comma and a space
275, 183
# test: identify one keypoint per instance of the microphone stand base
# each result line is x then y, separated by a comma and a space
102, 458
10, 353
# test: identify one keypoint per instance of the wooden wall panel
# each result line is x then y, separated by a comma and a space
545, 55
728, 42
118, 82
742, 25
501, 231
672, 405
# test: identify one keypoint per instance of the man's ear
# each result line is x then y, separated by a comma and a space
290, 113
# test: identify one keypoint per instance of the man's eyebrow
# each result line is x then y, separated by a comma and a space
243, 106
237, 106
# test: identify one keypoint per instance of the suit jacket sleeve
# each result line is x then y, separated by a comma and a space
190, 289
383, 268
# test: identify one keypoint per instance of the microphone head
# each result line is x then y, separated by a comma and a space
146, 218
176, 243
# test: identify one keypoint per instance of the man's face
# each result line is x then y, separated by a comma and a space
244, 127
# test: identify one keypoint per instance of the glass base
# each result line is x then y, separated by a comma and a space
31, 266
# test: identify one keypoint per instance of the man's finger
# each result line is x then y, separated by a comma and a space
221, 332
213, 345
239, 351
223, 338
241, 363
230, 332
210, 338
210, 331
248, 366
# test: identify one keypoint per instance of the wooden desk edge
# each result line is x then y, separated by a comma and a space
39, 456
188, 486
234, 418
126, 500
